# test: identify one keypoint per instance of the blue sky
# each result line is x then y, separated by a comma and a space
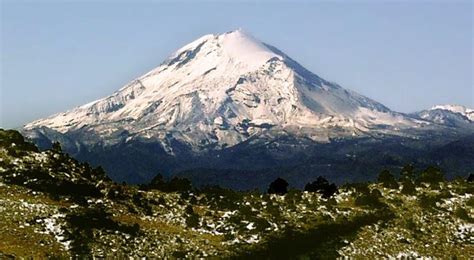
408, 55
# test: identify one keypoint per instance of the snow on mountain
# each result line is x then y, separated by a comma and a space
467, 112
448, 115
222, 89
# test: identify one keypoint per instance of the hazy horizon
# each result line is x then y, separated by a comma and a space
408, 56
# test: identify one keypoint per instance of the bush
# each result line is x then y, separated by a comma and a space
371, 199
99, 173
14, 143
176, 184
408, 187
278, 186
408, 172
117, 192
321, 185
157, 182
192, 219
428, 201
387, 180
362, 188
432, 175
221, 198
179, 184
463, 214
56, 147
470, 178
142, 202
83, 222
410, 224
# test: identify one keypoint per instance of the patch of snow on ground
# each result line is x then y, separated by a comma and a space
52, 226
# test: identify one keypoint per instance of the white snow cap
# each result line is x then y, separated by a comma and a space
243, 47
467, 112
453, 108
238, 46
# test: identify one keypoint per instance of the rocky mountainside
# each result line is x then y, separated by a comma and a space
217, 101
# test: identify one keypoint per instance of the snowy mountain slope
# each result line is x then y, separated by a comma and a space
218, 91
448, 115
467, 112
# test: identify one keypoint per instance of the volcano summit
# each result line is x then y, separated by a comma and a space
217, 102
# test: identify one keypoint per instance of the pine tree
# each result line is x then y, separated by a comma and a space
387, 180
56, 147
408, 172
431, 175
278, 186
408, 187
157, 182
321, 185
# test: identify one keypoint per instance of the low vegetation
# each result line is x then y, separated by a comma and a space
54, 206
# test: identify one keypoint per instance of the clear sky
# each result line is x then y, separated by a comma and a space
408, 55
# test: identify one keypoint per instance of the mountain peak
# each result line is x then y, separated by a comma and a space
235, 47
219, 91
239, 30
243, 47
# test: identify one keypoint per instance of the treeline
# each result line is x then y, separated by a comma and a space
320, 185
407, 180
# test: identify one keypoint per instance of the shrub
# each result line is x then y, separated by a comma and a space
179, 184
142, 202
278, 186
192, 219
56, 147
157, 182
321, 185
387, 180
117, 192
362, 188
410, 224
462, 214
428, 201
14, 142
408, 187
371, 199
176, 184
432, 175
408, 172
221, 198
470, 178
83, 222
331, 190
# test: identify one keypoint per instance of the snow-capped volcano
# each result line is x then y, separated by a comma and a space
220, 90
232, 102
